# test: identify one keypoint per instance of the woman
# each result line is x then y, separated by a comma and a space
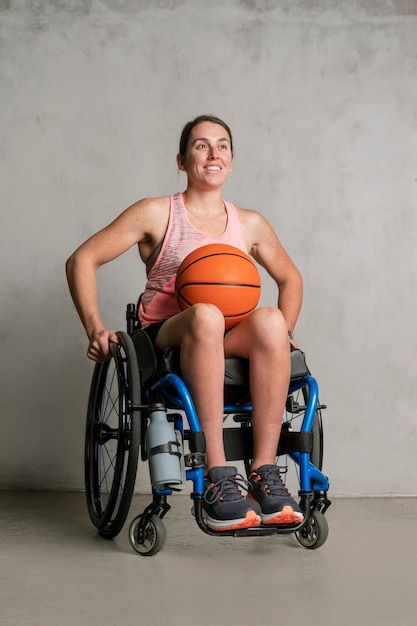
166, 229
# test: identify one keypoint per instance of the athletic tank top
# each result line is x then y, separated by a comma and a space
158, 301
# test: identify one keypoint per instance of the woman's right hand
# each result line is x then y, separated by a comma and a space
99, 346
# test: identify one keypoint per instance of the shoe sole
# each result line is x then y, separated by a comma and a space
251, 520
286, 516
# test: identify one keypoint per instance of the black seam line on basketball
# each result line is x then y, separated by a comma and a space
215, 284
226, 316
231, 315
207, 256
238, 314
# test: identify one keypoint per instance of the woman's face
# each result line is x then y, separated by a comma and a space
208, 158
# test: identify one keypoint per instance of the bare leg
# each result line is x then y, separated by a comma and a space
199, 332
263, 339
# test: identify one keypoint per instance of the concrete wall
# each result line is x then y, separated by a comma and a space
322, 98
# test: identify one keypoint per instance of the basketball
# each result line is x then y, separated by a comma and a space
222, 275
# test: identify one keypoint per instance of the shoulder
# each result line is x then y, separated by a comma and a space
259, 233
149, 215
248, 215
253, 220
148, 207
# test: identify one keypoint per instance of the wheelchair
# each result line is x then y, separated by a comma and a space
124, 392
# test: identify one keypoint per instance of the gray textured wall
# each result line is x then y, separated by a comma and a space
322, 98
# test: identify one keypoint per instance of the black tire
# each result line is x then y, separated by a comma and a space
315, 532
112, 438
154, 536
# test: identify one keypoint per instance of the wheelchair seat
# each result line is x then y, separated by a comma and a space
153, 364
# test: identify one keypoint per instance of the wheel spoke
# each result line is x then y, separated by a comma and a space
108, 393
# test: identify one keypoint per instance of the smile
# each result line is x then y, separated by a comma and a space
213, 168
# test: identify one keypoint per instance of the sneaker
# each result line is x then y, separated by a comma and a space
275, 501
224, 505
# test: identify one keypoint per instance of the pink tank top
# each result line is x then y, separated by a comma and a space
158, 301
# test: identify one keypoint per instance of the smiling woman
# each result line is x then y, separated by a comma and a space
207, 155
166, 230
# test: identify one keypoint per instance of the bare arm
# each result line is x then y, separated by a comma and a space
265, 247
143, 223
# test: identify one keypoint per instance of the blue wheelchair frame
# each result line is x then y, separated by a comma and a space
313, 483
124, 393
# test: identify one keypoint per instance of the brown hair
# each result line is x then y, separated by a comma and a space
186, 131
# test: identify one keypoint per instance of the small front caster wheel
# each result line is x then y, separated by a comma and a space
315, 532
153, 538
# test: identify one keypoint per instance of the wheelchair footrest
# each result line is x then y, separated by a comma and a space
256, 531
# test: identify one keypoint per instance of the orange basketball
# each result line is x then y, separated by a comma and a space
221, 275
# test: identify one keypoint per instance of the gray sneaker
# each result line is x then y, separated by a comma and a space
275, 501
224, 505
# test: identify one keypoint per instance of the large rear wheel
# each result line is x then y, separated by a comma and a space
112, 438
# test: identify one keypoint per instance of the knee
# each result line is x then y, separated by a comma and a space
269, 326
206, 321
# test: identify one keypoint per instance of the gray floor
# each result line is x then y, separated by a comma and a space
55, 570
